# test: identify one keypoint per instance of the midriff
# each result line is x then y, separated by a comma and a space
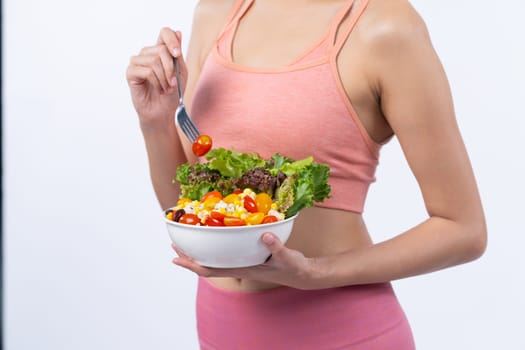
317, 232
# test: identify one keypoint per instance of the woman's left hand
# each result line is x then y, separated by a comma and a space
285, 267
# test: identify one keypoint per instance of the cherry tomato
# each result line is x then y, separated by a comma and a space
211, 194
234, 221
211, 221
218, 216
269, 218
237, 191
210, 203
202, 145
264, 202
231, 198
255, 218
249, 204
210, 199
189, 219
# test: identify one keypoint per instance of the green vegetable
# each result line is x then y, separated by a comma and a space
319, 174
309, 185
298, 184
197, 180
303, 194
290, 168
285, 194
195, 192
277, 161
232, 163
183, 173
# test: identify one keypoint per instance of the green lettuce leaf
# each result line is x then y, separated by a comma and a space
183, 171
232, 163
285, 194
319, 174
277, 161
306, 181
309, 185
195, 192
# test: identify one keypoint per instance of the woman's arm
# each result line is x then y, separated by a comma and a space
150, 76
417, 103
152, 84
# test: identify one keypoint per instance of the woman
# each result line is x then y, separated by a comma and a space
335, 79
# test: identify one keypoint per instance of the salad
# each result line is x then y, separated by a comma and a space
235, 189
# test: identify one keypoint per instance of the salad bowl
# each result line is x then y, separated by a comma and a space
225, 201
227, 246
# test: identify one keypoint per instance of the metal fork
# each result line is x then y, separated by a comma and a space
182, 119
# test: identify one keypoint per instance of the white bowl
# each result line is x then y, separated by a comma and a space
227, 246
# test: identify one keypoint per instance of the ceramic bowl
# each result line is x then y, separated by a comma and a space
227, 246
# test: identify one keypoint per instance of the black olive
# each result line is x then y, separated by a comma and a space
178, 214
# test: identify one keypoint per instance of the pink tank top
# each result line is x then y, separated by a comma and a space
298, 110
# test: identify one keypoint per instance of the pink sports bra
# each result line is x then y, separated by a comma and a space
298, 110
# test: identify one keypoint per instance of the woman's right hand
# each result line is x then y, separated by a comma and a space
151, 79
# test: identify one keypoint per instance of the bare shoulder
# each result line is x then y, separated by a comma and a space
393, 25
395, 40
212, 10
208, 19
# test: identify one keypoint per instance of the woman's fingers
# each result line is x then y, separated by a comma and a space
138, 75
166, 59
172, 41
149, 68
179, 252
161, 58
154, 64
151, 79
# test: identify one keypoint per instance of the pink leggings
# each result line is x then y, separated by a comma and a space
359, 317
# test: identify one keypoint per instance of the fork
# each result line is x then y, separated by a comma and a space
182, 119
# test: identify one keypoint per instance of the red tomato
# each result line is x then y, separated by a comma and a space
217, 216
189, 219
211, 221
233, 221
249, 204
202, 145
269, 218
211, 194
237, 191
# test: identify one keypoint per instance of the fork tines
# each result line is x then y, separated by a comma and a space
187, 126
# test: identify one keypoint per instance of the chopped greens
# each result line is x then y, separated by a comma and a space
294, 185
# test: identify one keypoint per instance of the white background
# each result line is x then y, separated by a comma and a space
87, 259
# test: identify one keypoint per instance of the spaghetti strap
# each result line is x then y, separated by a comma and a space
338, 19
341, 37
235, 12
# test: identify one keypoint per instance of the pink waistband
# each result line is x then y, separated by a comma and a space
357, 317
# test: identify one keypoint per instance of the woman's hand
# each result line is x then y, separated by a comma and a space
285, 267
151, 78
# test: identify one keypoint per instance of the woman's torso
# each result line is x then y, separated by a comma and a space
272, 34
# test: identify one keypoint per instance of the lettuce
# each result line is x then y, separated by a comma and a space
319, 174
307, 185
299, 183
183, 172
232, 163
285, 194
195, 192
